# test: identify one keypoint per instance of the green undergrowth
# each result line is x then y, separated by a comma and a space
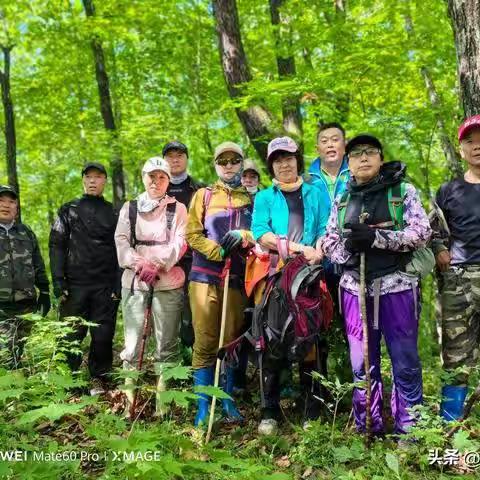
61, 432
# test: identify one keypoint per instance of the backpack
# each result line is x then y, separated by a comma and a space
295, 310
132, 217
423, 260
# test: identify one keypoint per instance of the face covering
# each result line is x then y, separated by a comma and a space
178, 179
235, 181
288, 187
252, 190
146, 204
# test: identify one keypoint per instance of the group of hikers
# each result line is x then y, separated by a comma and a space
352, 223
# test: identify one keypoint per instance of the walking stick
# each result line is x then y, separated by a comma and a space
366, 353
220, 345
146, 332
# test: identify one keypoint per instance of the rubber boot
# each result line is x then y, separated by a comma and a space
453, 398
130, 383
203, 377
160, 409
229, 409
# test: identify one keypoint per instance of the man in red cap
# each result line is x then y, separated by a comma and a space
456, 246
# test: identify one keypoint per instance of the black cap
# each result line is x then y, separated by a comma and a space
96, 165
8, 189
175, 146
363, 139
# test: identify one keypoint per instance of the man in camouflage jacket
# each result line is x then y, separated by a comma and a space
21, 270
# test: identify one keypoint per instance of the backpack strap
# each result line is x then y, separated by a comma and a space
132, 217
171, 209
396, 197
342, 208
207, 197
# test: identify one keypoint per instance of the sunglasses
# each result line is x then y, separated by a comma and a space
223, 162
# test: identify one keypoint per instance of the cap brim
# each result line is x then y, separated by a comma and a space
174, 147
283, 149
157, 170
231, 150
467, 130
93, 167
9, 192
363, 139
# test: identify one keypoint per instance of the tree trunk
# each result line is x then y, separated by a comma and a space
292, 118
465, 17
106, 109
256, 120
10, 137
453, 160
336, 18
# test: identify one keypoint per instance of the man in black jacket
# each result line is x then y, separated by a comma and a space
21, 270
85, 271
182, 187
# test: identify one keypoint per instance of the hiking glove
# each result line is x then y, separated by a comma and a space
231, 242
360, 238
43, 303
148, 273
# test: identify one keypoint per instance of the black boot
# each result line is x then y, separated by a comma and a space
313, 392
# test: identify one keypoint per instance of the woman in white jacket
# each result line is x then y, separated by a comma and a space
150, 241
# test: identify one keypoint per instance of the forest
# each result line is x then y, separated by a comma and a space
112, 81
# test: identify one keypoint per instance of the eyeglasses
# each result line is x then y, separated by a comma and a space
223, 162
369, 152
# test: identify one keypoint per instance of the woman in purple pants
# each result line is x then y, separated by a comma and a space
396, 226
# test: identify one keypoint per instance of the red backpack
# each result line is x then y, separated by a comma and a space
296, 308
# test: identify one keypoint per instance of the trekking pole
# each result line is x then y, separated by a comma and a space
220, 345
362, 297
146, 332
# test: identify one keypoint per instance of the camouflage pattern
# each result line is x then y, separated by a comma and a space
21, 265
460, 299
14, 331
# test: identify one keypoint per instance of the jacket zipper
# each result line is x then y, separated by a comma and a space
12, 269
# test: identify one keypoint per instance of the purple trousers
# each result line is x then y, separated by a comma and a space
398, 322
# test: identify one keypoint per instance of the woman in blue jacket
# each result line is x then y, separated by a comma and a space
293, 209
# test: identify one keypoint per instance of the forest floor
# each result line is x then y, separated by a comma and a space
63, 433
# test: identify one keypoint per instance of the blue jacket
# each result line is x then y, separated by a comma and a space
270, 213
340, 184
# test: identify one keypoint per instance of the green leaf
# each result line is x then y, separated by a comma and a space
54, 411
342, 454
180, 398
462, 442
392, 463
178, 372
12, 393
212, 391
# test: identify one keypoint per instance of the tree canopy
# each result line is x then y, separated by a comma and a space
360, 63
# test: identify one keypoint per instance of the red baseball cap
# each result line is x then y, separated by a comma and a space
467, 126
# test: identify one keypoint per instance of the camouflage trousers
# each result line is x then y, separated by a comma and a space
460, 299
13, 332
